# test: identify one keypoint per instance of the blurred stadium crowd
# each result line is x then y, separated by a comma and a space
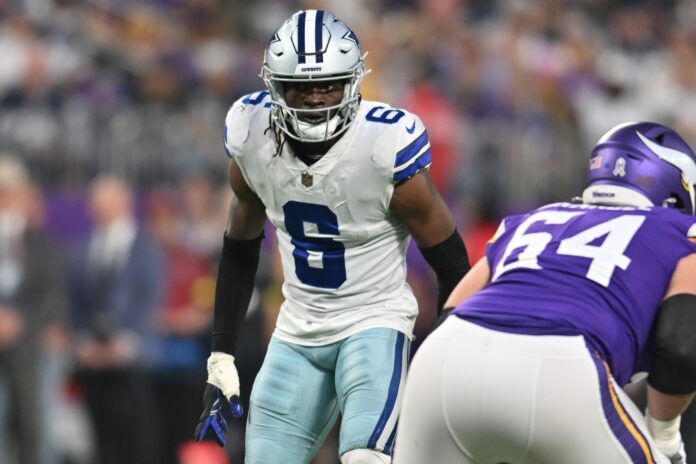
115, 108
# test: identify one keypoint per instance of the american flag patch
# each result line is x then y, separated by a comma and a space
595, 162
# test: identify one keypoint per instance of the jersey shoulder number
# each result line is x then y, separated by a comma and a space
403, 138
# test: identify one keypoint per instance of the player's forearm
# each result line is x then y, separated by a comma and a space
663, 420
450, 262
235, 284
665, 407
477, 278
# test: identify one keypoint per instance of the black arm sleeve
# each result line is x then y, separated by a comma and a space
673, 369
235, 284
450, 262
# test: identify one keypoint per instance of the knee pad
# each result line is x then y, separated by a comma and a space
365, 456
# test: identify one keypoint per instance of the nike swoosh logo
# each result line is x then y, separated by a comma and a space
412, 128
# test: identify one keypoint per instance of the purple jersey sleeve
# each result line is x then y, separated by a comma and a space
600, 272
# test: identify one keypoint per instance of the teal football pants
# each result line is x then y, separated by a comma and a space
300, 391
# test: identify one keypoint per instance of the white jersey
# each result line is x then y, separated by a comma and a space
343, 253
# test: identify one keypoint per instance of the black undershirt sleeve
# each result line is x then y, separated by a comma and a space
450, 262
234, 286
673, 369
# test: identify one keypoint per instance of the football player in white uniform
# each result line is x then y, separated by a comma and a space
345, 182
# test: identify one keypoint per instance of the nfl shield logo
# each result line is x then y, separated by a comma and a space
307, 179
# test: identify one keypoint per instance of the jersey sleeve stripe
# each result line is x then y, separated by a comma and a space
421, 162
413, 159
411, 150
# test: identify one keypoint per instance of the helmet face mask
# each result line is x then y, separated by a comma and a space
313, 46
642, 164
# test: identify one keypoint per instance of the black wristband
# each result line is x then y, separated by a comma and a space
239, 261
673, 368
450, 262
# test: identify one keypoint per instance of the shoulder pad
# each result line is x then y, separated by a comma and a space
239, 119
406, 139
685, 223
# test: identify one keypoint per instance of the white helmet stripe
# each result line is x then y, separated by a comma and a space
309, 31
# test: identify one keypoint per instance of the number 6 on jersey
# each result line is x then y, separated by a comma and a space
319, 259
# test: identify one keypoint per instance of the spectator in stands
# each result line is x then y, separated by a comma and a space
32, 303
116, 282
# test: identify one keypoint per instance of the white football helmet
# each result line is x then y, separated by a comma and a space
313, 45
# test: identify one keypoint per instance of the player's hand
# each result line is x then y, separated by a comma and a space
221, 397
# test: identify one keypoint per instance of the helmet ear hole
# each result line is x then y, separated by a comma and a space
346, 47
678, 202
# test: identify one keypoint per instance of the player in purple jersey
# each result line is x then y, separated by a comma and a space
570, 301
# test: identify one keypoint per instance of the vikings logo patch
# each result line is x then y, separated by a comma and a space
307, 179
620, 168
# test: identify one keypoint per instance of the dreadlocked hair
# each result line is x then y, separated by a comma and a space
277, 135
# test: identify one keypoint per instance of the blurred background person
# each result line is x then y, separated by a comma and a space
32, 307
204, 212
116, 284
182, 323
184, 318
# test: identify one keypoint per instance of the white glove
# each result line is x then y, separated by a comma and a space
223, 374
667, 437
